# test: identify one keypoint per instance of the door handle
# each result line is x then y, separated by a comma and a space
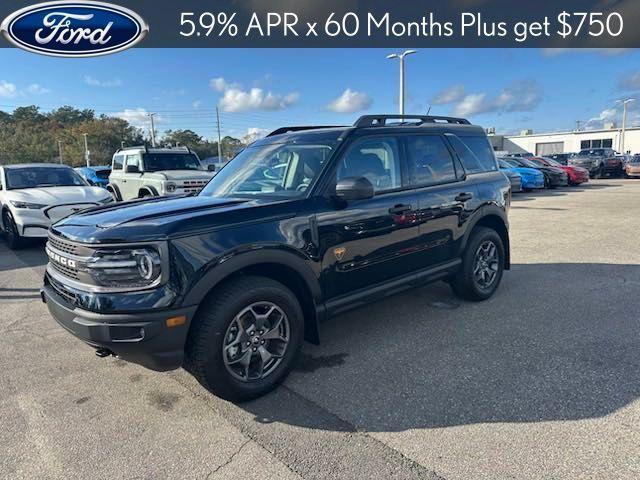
463, 197
399, 209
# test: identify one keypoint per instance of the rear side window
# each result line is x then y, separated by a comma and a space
475, 153
430, 161
377, 160
117, 162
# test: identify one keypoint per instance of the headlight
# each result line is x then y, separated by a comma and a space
27, 205
127, 268
170, 187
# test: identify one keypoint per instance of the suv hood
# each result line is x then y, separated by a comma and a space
180, 175
164, 217
58, 195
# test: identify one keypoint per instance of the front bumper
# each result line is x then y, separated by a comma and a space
558, 180
530, 183
516, 184
31, 223
142, 338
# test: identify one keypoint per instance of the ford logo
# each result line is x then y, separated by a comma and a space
74, 29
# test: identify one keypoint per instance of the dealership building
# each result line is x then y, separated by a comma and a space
565, 142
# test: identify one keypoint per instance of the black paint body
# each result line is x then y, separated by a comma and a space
333, 254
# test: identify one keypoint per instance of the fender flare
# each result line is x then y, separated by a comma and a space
220, 270
150, 189
115, 189
484, 212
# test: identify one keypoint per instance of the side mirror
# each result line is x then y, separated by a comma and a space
354, 188
211, 168
133, 169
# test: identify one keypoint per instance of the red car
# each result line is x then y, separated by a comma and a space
577, 175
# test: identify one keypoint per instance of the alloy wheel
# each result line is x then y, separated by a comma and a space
486, 264
256, 341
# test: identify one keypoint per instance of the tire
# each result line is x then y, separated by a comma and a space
465, 284
600, 173
547, 183
12, 237
214, 337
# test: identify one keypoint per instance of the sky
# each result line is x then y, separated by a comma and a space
258, 90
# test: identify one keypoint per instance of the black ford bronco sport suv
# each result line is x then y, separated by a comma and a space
303, 224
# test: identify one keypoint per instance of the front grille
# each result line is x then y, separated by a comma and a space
63, 245
62, 291
66, 271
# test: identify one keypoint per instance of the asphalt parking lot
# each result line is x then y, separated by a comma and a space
541, 381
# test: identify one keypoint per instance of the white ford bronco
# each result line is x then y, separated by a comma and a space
140, 172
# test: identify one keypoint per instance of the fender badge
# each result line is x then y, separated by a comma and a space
339, 252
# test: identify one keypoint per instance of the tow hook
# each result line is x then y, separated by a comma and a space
104, 352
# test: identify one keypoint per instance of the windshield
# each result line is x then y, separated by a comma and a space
284, 170
552, 162
528, 163
598, 152
504, 163
535, 163
635, 159
157, 162
37, 177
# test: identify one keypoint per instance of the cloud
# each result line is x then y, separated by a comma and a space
630, 81
449, 95
220, 84
94, 82
36, 89
138, 117
253, 134
235, 99
7, 90
614, 114
350, 101
519, 96
197, 104
606, 52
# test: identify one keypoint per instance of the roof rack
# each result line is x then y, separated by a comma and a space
146, 148
298, 129
381, 120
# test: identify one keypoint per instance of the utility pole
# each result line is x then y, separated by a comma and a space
86, 149
153, 131
60, 150
219, 140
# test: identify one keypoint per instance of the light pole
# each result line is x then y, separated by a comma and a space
401, 56
86, 148
624, 122
153, 131
60, 150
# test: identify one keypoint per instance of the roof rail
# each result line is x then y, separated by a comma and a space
381, 120
298, 129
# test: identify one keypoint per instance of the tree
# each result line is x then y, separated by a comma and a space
230, 146
28, 114
70, 116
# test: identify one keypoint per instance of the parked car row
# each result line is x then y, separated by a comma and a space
600, 162
540, 172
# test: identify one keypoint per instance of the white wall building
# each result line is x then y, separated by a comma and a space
564, 142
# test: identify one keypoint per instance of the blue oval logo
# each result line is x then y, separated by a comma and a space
72, 29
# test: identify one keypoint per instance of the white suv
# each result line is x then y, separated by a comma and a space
35, 195
140, 172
